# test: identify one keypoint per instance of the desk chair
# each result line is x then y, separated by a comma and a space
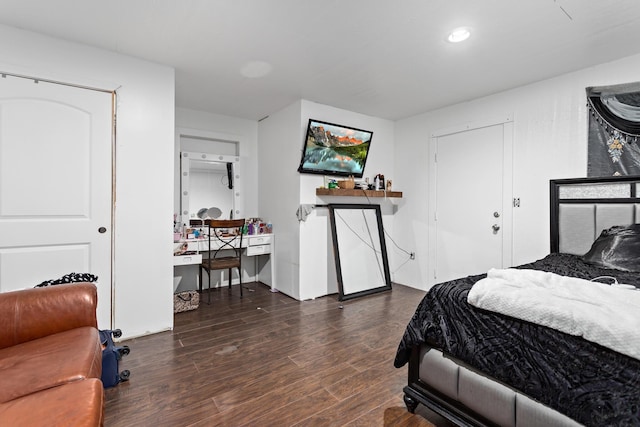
225, 250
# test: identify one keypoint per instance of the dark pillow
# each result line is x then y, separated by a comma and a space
618, 247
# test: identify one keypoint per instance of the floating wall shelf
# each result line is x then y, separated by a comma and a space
356, 193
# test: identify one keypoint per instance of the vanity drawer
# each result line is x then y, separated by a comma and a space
258, 250
187, 259
259, 240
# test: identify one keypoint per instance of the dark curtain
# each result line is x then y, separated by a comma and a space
614, 128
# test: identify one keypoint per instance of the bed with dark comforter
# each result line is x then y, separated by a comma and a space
478, 367
589, 383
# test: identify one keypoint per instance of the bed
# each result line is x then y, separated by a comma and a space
480, 367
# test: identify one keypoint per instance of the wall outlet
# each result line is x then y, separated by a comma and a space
412, 255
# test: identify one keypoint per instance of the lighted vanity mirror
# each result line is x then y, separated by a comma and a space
209, 187
360, 251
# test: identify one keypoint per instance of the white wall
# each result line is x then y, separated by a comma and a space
306, 266
144, 154
236, 129
317, 264
279, 191
550, 141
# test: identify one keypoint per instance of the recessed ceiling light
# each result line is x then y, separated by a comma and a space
255, 69
459, 35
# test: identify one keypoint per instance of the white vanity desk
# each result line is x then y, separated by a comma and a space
256, 244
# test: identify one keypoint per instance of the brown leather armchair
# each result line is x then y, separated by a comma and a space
50, 357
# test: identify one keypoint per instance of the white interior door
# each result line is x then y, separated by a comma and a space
55, 185
469, 202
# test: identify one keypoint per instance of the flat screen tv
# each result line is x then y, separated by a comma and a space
331, 149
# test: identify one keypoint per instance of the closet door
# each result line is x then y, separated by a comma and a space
471, 202
55, 185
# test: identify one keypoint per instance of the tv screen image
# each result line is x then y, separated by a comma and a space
331, 149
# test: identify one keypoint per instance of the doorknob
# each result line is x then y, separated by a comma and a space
495, 228
102, 230
496, 214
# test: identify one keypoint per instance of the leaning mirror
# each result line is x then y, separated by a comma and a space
208, 188
360, 251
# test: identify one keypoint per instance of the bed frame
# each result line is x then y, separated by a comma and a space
580, 209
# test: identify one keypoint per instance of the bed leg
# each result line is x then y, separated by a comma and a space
411, 403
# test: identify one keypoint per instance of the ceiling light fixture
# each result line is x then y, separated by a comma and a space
459, 35
255, 69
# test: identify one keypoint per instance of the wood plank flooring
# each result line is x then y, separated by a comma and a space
269, 360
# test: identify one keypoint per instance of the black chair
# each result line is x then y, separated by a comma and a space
224, 250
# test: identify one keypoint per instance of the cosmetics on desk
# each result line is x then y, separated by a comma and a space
258, 226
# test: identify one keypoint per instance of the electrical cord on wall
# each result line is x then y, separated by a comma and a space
390, 238
401, 265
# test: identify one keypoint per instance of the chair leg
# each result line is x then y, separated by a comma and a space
209, 289
200, 283
240, 280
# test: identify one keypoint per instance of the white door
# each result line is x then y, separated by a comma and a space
55, 185
469, 202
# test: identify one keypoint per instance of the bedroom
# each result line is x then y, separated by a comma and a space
549, 134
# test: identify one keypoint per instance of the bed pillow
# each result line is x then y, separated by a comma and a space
617, 247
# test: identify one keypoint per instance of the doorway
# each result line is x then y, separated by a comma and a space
470, 200
55, 185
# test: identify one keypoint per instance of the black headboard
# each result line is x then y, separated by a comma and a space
582, 207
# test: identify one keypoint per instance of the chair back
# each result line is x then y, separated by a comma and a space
225, 235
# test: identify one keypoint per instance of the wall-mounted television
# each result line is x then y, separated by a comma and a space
331, 149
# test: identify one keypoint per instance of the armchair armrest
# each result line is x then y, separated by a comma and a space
30, 314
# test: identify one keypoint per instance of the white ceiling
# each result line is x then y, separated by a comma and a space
384, 58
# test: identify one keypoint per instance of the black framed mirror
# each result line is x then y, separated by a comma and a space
360, 250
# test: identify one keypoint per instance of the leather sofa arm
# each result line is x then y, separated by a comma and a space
30, 314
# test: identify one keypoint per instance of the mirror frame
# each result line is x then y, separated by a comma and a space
342, 258
185, 159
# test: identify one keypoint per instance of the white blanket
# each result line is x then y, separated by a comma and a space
597, 312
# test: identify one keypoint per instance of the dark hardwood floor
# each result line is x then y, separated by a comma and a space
269, 360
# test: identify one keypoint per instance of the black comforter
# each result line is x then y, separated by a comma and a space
589, 383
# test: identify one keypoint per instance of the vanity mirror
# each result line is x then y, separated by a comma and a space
360, 251
208, 186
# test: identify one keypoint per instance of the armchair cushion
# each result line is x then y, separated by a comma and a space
50, 361
80, 403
